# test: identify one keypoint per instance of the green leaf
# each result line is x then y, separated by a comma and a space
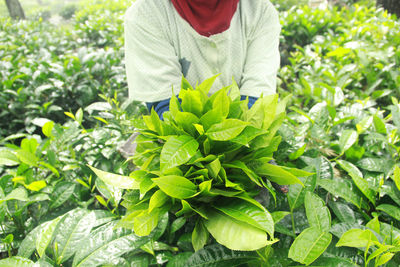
375, 164
16, 261
379, 125
347, 139
396, 177
176, 186
309, 245
206, 85
27, 157
334, 261
118, 181
219, 256
47, 128
277, 216
192, 102
18, 194
343, 211
221, 103
62, 192
384, 258
36, 185
157, 200
178, 151
226, 130
318, 214
374, 225
234, 234
297, 191
342, 188
199, 236
248, 213
358, 179
73, 228
186, 120
391, 210
356, 238
274, 173
8, 158
28, 245
104, 243
45, 235
145, 222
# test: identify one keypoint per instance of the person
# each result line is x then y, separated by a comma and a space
197, 39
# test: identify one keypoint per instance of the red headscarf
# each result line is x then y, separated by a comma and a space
207, 17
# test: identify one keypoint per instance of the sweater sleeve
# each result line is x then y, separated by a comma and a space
262, 56
152, 66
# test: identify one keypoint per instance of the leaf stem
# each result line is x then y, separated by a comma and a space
293, 224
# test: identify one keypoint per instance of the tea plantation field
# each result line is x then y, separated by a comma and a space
203, 186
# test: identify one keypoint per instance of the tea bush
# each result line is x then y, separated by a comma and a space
64, 107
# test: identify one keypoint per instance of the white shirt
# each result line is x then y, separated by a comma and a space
160, 47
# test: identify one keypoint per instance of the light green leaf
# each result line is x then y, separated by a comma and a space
379, 125
356, 238
186, 120
145, 222
192, 102
177, 151
27, 157
79, 115
226, 130
206, 85
384, 258
347, 139
358, 179
45, 235
8, 158
157, 200
235, 234
199, 236
36, 185
47, 128
176, 186
391, 210
374, 225
248, 213
106, 242
221, 103
318, 214
210, 118
16, 261
309, 245
116, 180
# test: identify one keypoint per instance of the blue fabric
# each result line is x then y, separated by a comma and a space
162, 106
252, 100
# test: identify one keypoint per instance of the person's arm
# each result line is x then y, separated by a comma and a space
262, 57
152, 66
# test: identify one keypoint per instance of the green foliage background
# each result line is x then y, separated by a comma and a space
63, 106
